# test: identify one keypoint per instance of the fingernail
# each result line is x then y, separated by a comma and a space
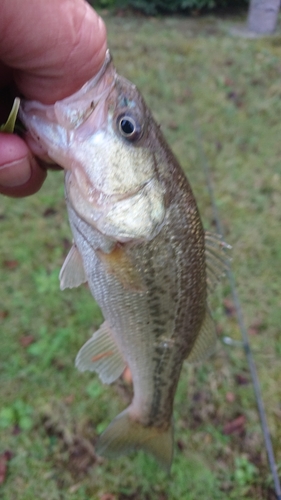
15, 173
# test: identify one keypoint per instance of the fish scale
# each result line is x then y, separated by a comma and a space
132, 313
140, 245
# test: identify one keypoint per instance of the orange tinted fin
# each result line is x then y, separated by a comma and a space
118, 263
100, 354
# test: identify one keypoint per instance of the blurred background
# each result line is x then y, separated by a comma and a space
214, 87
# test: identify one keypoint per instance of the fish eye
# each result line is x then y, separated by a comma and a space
129, 128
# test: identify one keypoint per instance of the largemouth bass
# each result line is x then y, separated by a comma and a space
140, 245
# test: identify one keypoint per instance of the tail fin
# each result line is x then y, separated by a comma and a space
124, 435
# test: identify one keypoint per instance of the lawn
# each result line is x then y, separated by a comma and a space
194, 76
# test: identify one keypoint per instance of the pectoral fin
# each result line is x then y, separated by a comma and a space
119, 263
72, 273
205, 343
216, 259
100, 354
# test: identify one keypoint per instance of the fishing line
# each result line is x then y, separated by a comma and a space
239, 315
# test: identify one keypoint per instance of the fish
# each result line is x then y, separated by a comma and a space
139, 243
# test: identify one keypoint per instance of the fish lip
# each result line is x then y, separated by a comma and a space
27, 106
101, 72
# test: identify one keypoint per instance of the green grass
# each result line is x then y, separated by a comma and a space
190, 72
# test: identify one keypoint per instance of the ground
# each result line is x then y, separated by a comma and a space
210, 92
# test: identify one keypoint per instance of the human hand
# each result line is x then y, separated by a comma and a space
48, 50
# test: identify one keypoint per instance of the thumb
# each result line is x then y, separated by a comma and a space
53, 46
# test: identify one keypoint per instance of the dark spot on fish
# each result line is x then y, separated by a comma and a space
159, 331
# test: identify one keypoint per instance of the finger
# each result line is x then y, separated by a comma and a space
20, 174
62, 45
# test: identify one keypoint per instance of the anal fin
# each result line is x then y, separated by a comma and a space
72, 273
205, 343
100, 354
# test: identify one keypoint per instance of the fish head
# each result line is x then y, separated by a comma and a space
101, 136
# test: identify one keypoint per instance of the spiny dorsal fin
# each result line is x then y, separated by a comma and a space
72, 273
100, 354
205, 343
216, 260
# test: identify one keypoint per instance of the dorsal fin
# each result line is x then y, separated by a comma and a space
72, 273
216, 259
205, 343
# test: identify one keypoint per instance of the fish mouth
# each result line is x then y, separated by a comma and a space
99, 75
97, 198
71, 112
74, 111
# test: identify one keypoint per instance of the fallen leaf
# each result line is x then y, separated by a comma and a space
255, 327
235, 426
49, 212
69, 399
235, 98
16, 430
173, 125
4, 459
228, 82
26, 340
230, 397
229, 307
4, 314
58, 364
180, 445
10, 264
3, 470
241, 379
108, 496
